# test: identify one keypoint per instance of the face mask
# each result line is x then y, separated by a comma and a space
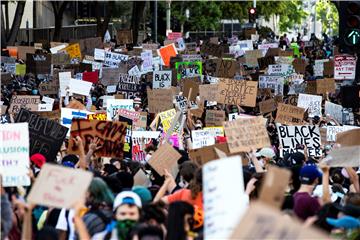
124, 227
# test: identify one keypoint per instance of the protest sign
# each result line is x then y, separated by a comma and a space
236, 92
97, 116
181, 103
64, 81
60, 59
147, 58
75, 104
27, 102
206, 154
310, 102
267, 106
264, 62
174, 35
292, 137
124, 36
251, 57
129, 86
332, 131
208, 91
14, 154
244, 134
38, 63
165, 157
166, 118
113, 105
345, 67
110, 76
80, 87
221, 221
299, 65
141, 179
334, 110
202, 138
328, 68
74, 51
166, 53
87, 45
349, 138
274, 82
114, 59
319, 67
67, 114
56, 47
279, 69
92, 77
212, 49
343, 157
162, 79
215, 131
54, 184
44, 107
46, 136
159, 100
53, 115
193, 85
188, 69
214, 118
289, 115
324, 86
274, 186
111, 135
99, 54
274, 225
140, 141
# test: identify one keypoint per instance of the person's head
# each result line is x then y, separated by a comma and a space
126, 179
127, 206
98, 194
196, 183
109, 169
143, 193
187, 171
267, 154
116, 162
147, 232
153, 214
37, 160
309, 175
180, 220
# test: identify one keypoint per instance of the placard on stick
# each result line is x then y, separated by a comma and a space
165, 157
59, 187
244, 134
111, 135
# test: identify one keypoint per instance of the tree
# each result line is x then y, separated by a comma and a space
328, 15
137, 17
291, 14
58, 10
102, 25
8, 37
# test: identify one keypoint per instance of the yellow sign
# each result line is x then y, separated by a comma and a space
166, 118
74, 50
20, 69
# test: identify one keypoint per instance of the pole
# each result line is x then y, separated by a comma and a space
168, 15
254, 4
155, 22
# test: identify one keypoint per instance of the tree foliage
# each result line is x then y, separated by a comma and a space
328, 15
291, 14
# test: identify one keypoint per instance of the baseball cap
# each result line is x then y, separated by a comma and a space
127, 197
309, 173
38, 159
266, 152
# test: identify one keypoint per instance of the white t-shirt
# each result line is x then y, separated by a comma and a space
62, 223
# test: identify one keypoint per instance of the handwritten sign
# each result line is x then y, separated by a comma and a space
110, 76
212, 49
38, 63
165, 157
214, 118
111, 135
208, 91
202, 138
160, 99
324, 86
188, 69
332, 131
46, 136
334, 110
288, 114
114, 59
243, 134
267, 106
74, 51
310, 102
162, 79
147, 58
97, 116
235, 92
24, 101
129, 86
113, 105
14, 154
54, 183
274, 82
291, 136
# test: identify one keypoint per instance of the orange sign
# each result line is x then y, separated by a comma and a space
166, 53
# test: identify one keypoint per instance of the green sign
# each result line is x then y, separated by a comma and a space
188, 69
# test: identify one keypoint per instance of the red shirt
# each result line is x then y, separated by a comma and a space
185, 195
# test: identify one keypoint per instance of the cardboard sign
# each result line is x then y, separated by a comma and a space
274, 225
267, 106
235, 92
243, 134
202, 138
193, 84
251, 57
110, 76
129, 86
24, 50
328, 68
38, 63
74, 51
14, 157
113, 105
27, 102
54, 183
160, 100
46, 136
274, 186
166, 119
299, 65
208, 91
289, 115
212, 49
67, 114
60, 59
214, 118
334, 110
162, 79
221, 221
114, 59
87, 45
343, 157
166, 53
111, 135
349, 138
345, 67
324, 86
310, 102
206, 154
124, 36
264, 62
273, 82
165, 157
291, 136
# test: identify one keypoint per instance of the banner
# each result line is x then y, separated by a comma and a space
46, 136
14, 154
293, 138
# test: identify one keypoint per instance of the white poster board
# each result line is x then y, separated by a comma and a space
310, 102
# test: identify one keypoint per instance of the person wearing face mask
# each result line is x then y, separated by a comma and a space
127, 211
